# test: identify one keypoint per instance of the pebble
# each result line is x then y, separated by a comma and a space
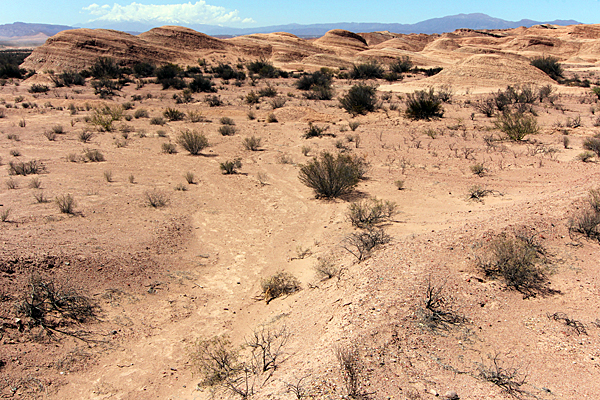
451, 395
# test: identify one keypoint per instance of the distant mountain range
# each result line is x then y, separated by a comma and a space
434, 25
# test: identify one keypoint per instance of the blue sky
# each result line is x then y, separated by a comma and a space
248, 13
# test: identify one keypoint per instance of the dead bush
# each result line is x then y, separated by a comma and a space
509, 379
156, 198
52, 306
352, 370
577, 326
518, 259
587, 221
65, 203
25, 167
279, 285
326, 268
239, 372
438, 309
361, 244
371, 212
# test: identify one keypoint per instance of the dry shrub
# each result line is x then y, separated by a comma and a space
93, 155
66, 203
239, 371
52, 306
517, 258
371, 212
25, 167
587, 221
361, 244
252, 143
192, 141
438, 309
230, 167
509, 379
326, 268
156, 198
280, 284
168, 148
352, 370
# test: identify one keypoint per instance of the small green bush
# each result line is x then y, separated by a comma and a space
423, 104
168, 148
331, 176
516, 125
360, 99
172, 114
316, 85
93, 155
368, 70
401, 65
227, 130
592, 144
192, 141
231, 166
140, 113
38, 88
550, 66
157, 121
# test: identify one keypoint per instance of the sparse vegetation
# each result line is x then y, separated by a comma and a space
227, 130
509, 379
587, 220
93, 155
172, 114
592, 144
52, 306
368, 70
25, 167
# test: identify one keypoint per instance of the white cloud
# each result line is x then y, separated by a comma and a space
185, 13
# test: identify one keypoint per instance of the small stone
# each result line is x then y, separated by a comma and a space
434, 392
451, 395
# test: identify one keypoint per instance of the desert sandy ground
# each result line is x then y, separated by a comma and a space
165, 278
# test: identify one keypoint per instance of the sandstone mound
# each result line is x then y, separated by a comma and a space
342, 42
485, 72
414, 43
177, 37
79, 48
281, 47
